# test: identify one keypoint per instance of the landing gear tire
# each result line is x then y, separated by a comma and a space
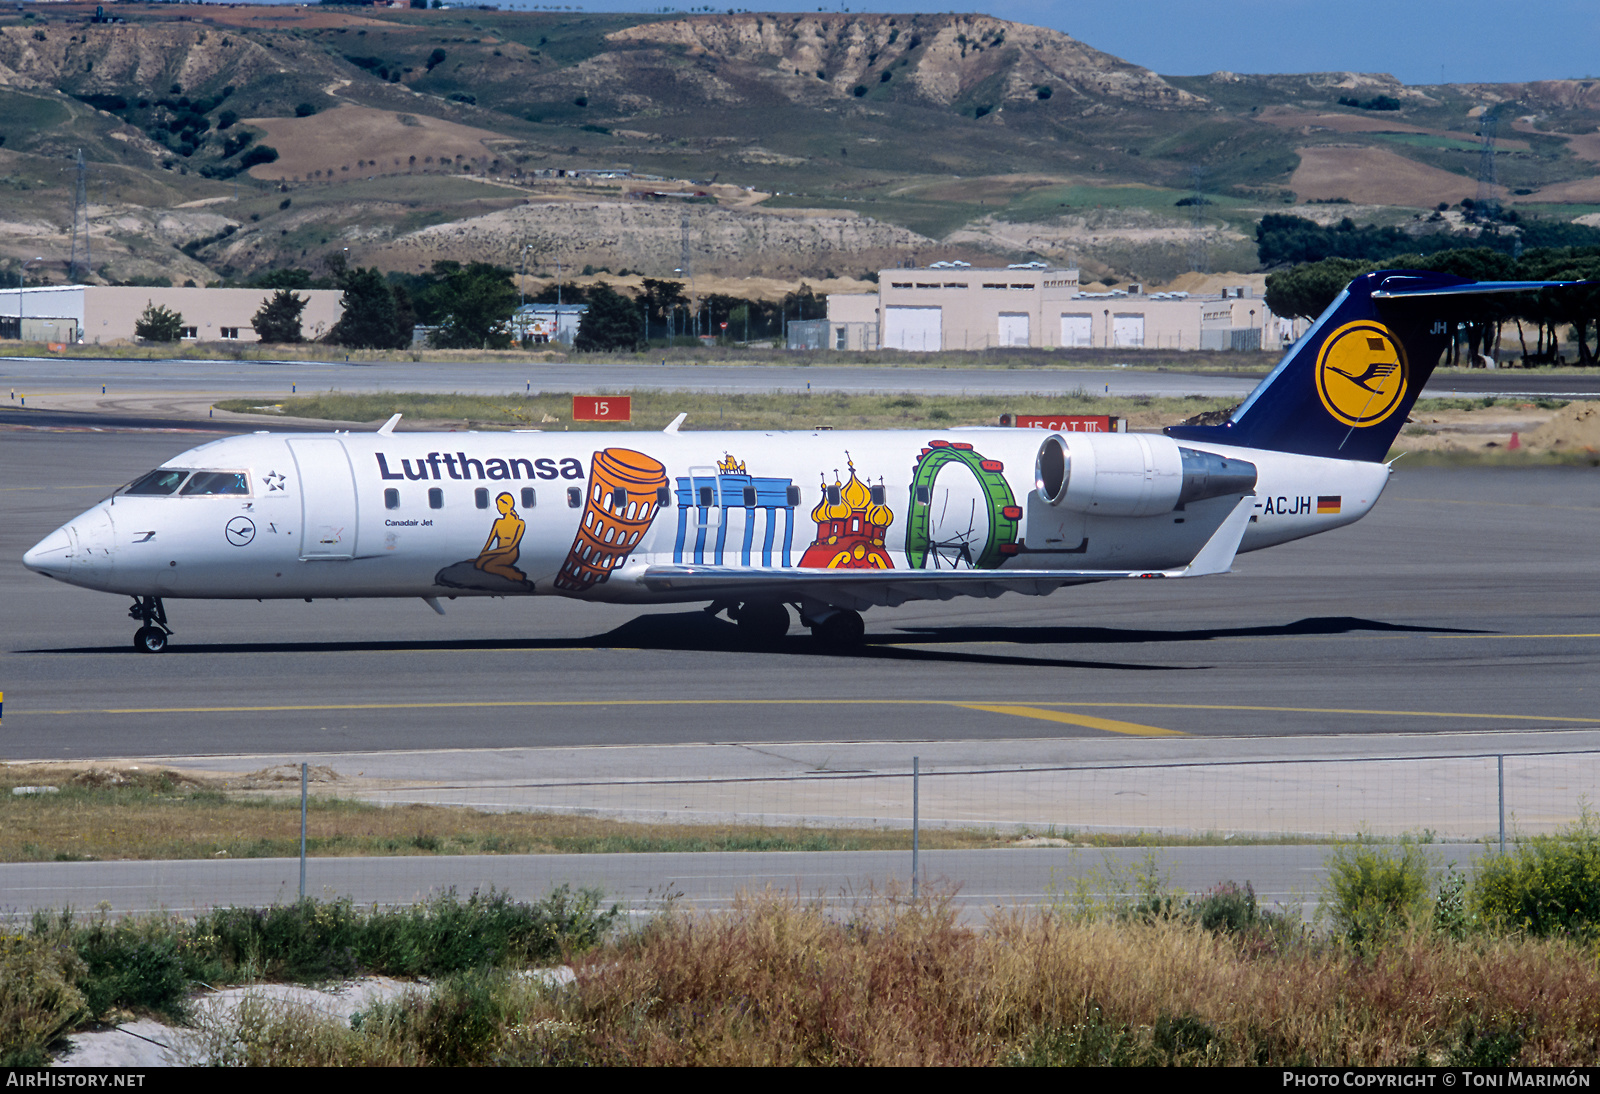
840, 630
150, 640
763, 621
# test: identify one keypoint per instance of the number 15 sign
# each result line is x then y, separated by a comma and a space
602, 408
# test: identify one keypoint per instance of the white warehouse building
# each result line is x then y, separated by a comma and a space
955, 306
97, 314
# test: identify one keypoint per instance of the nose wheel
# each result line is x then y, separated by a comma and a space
152, 637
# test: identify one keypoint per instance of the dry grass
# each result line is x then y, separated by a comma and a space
654, 409
155, 814
779, 982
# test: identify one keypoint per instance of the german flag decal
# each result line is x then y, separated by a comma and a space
1328, 503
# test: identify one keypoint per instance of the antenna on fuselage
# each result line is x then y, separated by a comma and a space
388, 427
672, 426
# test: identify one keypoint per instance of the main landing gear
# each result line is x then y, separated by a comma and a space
837, 627
767, 621
152, 637
761, 620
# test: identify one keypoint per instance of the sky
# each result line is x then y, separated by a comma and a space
1418, 41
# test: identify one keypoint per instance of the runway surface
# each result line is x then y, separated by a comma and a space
228, 379
1466, 603
48, 379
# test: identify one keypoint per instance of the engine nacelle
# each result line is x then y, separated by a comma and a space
1133, 474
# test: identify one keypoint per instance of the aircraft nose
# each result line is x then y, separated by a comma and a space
52, 555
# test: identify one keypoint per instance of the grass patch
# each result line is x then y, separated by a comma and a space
101, 816
67, 968
652, 410
778, 981
1494, 457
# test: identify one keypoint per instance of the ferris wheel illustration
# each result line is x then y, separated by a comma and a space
962, 512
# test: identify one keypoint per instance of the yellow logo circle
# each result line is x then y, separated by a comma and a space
1361, 373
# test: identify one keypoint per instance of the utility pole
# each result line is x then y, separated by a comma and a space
80, 222
1198, 259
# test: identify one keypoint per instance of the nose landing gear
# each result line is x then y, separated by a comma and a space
152, 637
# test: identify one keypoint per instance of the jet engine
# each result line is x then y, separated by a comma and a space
1133, 474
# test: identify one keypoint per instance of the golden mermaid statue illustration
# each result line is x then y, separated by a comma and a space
500, 550
495, 568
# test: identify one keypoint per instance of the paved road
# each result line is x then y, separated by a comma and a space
229, 379
1470, 600
47, 377
1283, 877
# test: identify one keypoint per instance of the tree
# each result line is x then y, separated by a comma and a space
157, 323
611, 323
476, 302
369, 320
279, 317
1306, 291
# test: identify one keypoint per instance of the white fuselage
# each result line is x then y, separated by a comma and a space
583, 514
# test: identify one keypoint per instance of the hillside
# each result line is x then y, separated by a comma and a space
225, 140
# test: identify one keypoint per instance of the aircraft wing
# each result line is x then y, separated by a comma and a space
858, 589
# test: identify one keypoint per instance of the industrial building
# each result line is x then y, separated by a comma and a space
954, 306
99, 314
537, 324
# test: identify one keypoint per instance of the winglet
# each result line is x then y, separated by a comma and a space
1216, 557
388, 427
672, 426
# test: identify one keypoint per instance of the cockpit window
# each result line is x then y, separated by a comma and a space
217, 482
163, 480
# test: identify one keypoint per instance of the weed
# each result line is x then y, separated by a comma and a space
1548, 885
1450, 915
38, 999
1375, 891
1493, 1046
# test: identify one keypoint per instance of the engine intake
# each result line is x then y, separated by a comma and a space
1133, 474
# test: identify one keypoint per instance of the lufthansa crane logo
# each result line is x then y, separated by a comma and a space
1361, 373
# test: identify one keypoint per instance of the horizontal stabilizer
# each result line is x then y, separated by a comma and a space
1216, 557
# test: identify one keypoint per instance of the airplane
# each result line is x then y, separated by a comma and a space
751, 523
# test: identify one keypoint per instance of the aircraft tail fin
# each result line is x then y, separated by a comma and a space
1345, 388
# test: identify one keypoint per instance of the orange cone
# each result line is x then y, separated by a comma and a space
1515, 444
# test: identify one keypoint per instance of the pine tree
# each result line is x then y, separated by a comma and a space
612, 322
157, 323
279, 317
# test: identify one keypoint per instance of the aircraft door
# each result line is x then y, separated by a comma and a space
328, 514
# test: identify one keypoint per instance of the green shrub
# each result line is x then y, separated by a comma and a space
1226, 908
38, 1001
1547, 885
1373, 891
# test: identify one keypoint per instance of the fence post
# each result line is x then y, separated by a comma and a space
302, 831
1500, 767
916, 789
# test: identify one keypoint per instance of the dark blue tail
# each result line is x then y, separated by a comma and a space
1344, 389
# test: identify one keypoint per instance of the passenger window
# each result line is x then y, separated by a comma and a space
528, 497
435, 498
214, 483
391, 498
574, 497
158, 482
481, 497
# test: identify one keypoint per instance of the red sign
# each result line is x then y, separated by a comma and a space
602, 408
1063, 423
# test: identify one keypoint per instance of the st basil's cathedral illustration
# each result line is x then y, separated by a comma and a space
851, 522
